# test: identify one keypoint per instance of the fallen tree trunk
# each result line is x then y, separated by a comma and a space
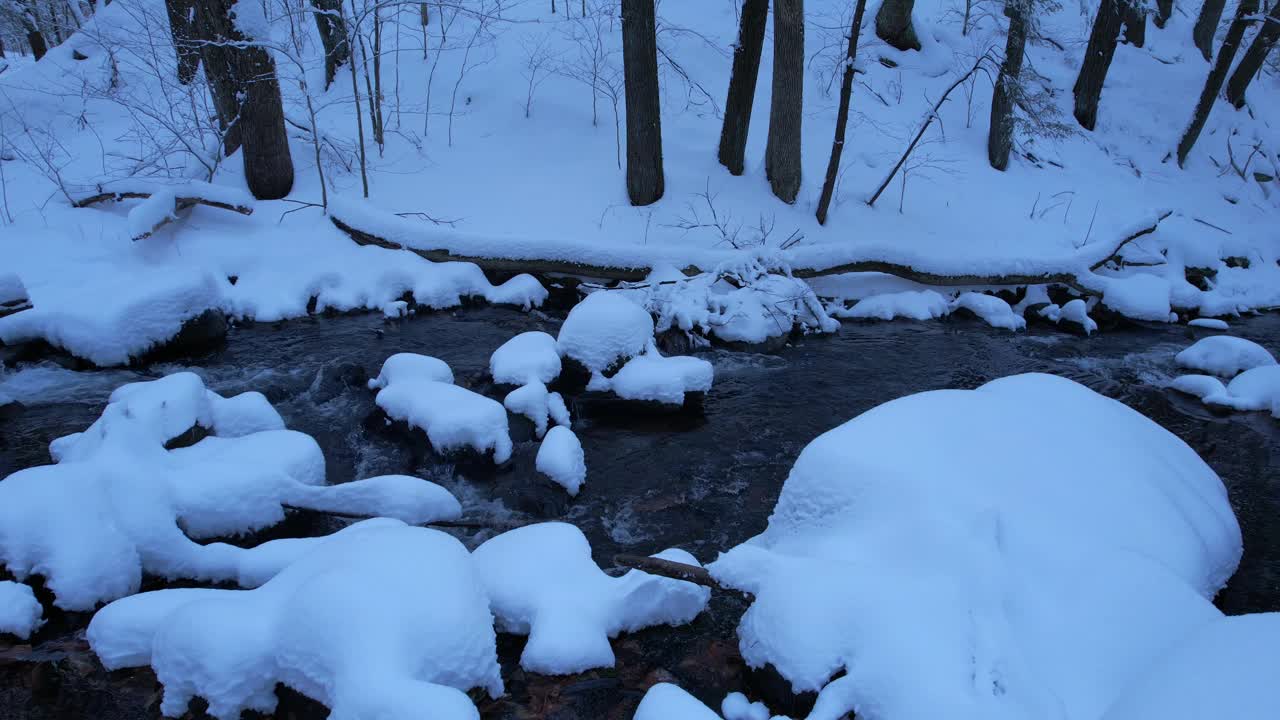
634, 274
183, 201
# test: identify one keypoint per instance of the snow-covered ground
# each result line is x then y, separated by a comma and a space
489, 130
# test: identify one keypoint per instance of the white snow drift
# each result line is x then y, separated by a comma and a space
138, 506
379, 620
975, 580
542, 582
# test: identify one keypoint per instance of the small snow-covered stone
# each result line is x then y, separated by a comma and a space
736, 706
1209, 323
560, 458
603, 329
1224, 355
19, 610
994, 311
411, 366
665, 701
542, 582
452, 417
662, 379
911, 304
526, 358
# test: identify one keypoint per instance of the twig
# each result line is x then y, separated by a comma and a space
670, 569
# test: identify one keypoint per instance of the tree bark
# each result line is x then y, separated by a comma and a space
782, 151
842, 114
248, 73
644, 121
1135, 23
333, 36
1164, 10
1207, 25
1253, 58
35, 38
1097, 61
188, 51
742, 84
893, 24
1000, 134
1213, 84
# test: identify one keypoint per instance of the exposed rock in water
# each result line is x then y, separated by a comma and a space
202, 333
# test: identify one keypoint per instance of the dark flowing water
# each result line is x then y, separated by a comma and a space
702, 483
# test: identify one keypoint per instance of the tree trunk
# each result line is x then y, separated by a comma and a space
249, 74
1097, 61
1207, 25
893, 24
333, 35
35, 38
188, 51
742, 84
782, 151
1164, 10
644, 122
1249, 66
1000, 134
1213, 84
842, 115
1135, 23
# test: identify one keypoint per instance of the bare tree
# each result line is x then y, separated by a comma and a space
894, 26
1207, 25
180, 16
250, 73
333, 36
842, 114
539, 61
1164, 11
644, 109
1135, 23
1213, 84
742, 84
1251, 64
1000, 134
1097, 61
782, 151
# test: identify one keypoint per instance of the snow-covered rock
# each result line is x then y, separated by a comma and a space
1074, 311
1223, 669
962, 568
542, 582
560, 458
736, 706
528, 357
452, 417
411, 366
20, 612
994, 311
665, 701
910, 304
1252, 390
538, 404
379, 620
1141, 296
1224, 355
1209, 323
139, 506
661, 379
603, 329
395, 309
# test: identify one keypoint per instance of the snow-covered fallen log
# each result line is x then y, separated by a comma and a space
161, 203
13, 295
367, 226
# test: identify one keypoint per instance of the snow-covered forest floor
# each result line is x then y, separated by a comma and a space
972, 547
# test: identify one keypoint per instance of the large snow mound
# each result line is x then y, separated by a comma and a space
1224, 355
379, 620
542, 582
20, 612
1007, 586
1223, 669
139, 506
419, 390
603, 329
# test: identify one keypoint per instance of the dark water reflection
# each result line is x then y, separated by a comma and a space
706, 484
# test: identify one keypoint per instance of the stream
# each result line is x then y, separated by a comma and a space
701, 482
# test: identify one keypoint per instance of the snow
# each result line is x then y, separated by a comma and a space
560, 458
963, 569
11, 288
1209, 323
141, 507
542, 582
1075, 311
661, 379
736, 706
452, 417
1224, 355
994, 311
411, 366
665, 701
536, 403
910, 304
1141, 296
20, 612
377, 620
1225, 668
1252, 390
526, 358
147, 214
603, 329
